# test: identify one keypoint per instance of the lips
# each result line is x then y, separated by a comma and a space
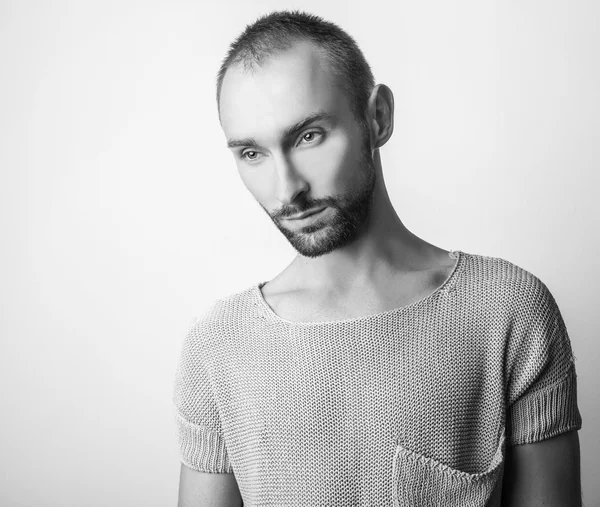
305, 214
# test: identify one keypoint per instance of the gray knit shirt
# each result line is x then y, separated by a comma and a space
409, 407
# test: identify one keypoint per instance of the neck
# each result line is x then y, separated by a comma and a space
384, 248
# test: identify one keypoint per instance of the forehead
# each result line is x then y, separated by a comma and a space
284, 90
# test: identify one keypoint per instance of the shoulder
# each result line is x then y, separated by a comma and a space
510, 298
499, 272
498, 281
221, 316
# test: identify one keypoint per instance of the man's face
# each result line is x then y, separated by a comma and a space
291, 165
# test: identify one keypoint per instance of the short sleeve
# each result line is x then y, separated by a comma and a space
541, 390
201, 442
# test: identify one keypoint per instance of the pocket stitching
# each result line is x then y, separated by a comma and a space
438, 466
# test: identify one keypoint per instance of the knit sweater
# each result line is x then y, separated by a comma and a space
409, 407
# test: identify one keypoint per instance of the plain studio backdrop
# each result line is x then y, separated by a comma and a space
123, 215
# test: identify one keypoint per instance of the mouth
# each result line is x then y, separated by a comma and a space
306, 214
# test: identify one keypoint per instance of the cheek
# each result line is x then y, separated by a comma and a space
259, 182
329, 166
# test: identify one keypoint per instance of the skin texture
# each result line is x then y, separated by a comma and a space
358, 247
198, 489
545, 473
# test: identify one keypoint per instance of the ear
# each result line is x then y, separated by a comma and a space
381, 115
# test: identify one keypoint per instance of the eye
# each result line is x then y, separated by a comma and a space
249, 155
310, 137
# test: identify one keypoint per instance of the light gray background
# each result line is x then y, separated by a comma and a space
123, 216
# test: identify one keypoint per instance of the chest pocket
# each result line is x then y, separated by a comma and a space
419, 481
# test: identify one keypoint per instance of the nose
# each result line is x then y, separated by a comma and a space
290, 182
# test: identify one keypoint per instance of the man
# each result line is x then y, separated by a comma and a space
377, 369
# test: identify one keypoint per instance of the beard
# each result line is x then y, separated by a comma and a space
342, 223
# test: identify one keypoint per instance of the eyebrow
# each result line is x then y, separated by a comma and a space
287, 133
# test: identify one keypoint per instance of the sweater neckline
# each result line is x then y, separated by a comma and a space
445, 286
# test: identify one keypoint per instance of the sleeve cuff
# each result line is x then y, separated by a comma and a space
201, 449
545, 413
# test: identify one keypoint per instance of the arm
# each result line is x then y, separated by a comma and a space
207, 478
545, 473
198, 489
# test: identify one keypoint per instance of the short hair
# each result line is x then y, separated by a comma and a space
278, 30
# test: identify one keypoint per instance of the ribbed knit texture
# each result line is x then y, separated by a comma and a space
409, 407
